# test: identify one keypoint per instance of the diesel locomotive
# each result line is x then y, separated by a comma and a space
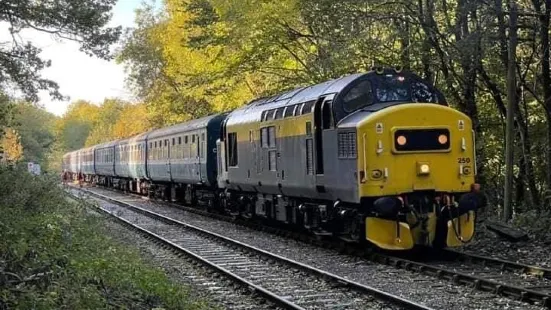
375, 157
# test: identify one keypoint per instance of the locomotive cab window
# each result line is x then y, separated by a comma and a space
358, 97
391, 87
420, 92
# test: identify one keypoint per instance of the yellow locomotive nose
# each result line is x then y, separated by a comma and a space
423, 151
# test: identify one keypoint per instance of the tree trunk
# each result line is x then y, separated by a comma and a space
546, 79
511, 103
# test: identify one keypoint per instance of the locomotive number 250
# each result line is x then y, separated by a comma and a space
463, 160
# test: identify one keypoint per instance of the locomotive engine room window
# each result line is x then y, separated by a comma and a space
289, 111
298, 109
232, 149
270, 115
358, 97
279, 113
307, 107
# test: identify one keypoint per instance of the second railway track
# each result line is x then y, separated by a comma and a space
289, 284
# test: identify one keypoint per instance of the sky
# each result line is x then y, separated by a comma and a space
78, 75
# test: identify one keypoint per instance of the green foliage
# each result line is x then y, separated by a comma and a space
35, 127
83, 21
57, 256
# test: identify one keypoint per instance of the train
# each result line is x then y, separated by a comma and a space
375, 158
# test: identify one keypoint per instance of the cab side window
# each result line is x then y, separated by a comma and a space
358, 97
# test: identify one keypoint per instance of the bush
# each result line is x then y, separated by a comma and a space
536, 223
53, 255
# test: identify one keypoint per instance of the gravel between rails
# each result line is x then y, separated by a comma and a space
427, 290
301, 288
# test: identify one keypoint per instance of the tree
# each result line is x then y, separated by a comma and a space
11, 146
83, 21
74, 127
35, 127
103, 128
132, 120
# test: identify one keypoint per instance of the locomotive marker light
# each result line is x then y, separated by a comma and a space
401, 140
442, 139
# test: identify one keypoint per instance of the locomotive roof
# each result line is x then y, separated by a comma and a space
182, 127
252, 112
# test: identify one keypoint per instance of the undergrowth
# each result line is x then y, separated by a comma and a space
55, 255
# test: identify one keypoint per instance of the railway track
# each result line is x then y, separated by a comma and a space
506, 278
510, 279
287, 283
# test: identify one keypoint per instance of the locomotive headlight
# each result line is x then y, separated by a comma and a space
423, 168
442, 139
466, 170
401, 140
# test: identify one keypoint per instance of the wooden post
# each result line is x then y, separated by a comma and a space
511, 103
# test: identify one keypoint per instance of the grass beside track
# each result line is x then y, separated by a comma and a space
55, 255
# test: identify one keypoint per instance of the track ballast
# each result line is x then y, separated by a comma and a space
287, 283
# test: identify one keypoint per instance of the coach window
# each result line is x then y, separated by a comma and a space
193, 138
232, 147
185, 139
173, 141
179, 140
263, 116
358, 97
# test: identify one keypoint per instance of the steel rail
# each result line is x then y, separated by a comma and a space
479, 283
501, 263
397, 300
